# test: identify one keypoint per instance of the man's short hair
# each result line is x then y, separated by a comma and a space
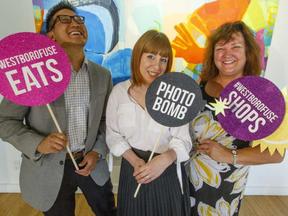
61, 5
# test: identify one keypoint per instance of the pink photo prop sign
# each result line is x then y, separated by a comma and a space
34, 70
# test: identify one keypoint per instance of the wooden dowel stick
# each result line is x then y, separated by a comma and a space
60, 131
191, 158
151, 155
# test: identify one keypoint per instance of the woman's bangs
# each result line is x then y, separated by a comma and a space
157, 47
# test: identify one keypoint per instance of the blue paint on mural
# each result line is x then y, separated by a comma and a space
98, 43
96, 33
97, 58
119, 65
49, 4
268, 35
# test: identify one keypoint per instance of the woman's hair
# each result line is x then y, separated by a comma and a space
226, 32
153, 42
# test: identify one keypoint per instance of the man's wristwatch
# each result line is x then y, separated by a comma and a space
234, 152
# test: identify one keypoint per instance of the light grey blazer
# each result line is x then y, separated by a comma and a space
40, 181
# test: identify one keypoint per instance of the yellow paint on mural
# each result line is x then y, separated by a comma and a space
191, 66
37, 13
255, 16
38, 17
260, 13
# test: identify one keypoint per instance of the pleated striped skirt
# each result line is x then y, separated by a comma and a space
161, 197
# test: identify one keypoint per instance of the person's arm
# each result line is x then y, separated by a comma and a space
115, 141
181, 142
178, 151
245, 156
24, 138
118, 145
253, 156
15, 132
133, 159
154, 168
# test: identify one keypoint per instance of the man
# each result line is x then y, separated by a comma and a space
48, 179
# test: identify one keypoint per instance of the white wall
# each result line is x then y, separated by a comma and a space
17, 16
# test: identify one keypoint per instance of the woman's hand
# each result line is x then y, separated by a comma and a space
133, 159
216, 151
245, 156
137, 164
154, 168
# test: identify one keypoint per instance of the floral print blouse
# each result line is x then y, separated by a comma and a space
215, 188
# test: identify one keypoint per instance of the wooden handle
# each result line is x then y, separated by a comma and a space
60, 131
151, 155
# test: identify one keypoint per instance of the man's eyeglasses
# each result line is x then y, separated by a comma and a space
67, 19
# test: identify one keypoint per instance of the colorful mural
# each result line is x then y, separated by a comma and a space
115, 25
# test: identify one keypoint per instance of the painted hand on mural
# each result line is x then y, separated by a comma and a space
185, 44
190, 41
